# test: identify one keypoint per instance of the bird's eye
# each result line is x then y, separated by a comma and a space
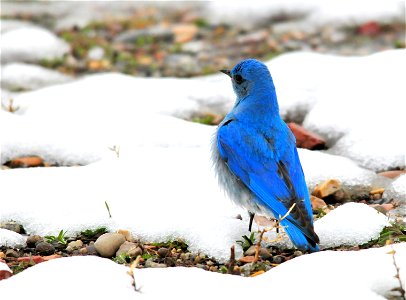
238, 78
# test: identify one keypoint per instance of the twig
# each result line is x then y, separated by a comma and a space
258, 245
108, 208
400, 289
230, 269
131, 272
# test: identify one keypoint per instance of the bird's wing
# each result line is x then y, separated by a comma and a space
275, 176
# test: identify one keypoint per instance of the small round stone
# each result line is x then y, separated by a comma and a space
45, 248
278, 259
163, 252
32, 240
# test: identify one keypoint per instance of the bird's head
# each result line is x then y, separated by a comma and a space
248, 76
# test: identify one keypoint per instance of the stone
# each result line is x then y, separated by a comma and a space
45, 248
264, 253
135, 35
32, 240
21, 76
129, 248
377, 191
297, 253
26, 162
250, 251
278, 259
108, 244
74, 245
91, 250
32, 44
5, 271
12, 253
392, 174
134, 252
163, 252
306, 139
184, 32
317, 203
151, 264
327, 188
127, 234
12, 226
247, 259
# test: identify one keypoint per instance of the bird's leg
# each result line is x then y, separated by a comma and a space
251, 219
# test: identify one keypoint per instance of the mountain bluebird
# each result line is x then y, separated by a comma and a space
255, 156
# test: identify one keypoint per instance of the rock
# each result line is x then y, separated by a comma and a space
31, 44
170, 261
306, 139
263, 221
250, 268
45, 248
214, 269
317, 203
32, 240
250, 251
377, 191
382, 208
326, 188
151, 264
134, 252
12, 226
26, 162
107, 244
163, 252
278, 259
127, 234
34, 258
21, 76
247, 259
135, 35
392, 174
264, 253
5, 271
184, 32
194, 46
297, 253
74, 245
91, 250
130, 248
12, 253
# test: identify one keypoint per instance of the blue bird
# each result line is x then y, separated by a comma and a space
255, 156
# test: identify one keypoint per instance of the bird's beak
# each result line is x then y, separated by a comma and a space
227, 72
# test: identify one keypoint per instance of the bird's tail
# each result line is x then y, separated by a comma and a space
298, 238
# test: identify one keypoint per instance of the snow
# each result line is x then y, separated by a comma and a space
31, 44
372, 276
397, 190
11, 239
350, 224
29, 77
314, 13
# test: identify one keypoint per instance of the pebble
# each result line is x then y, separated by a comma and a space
32, 240
108, 244
45, 248
326, 188
13, 226
278, 259
163, 252
127, 234
151, 264
74, 245
306, 139
392, 174
317, 203
130, 249
26, 162
12, 253
297, 253
156, 32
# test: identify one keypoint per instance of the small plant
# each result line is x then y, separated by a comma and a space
123, 258
247, 241
395, 233
108, 208
89, 233
10, 107
60, 238
146, 256
172, 244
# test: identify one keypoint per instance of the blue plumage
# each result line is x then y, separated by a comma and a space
255, 156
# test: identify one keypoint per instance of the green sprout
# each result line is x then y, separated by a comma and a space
60, 238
